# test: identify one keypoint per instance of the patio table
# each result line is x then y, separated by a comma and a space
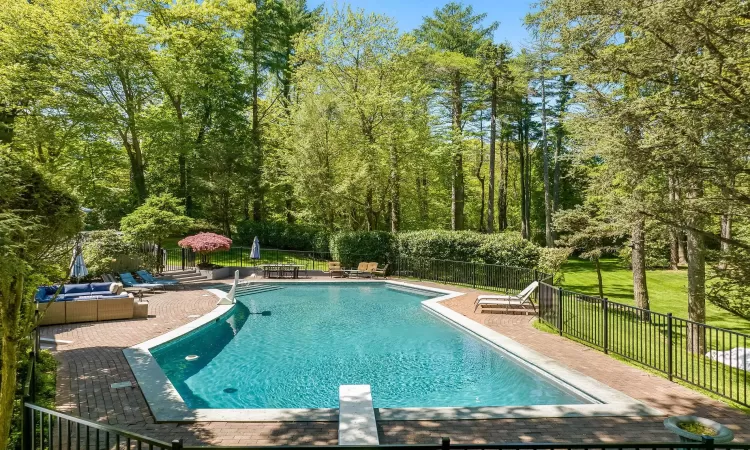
281, 270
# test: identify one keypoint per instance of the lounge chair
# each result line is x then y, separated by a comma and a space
362, 270
334, 269
148, 278
381, 272
521, 300
128, 281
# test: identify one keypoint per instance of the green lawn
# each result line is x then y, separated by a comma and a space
667, 290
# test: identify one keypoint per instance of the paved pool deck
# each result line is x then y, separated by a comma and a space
94, 360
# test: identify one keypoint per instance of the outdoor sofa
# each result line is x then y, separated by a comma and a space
89, 302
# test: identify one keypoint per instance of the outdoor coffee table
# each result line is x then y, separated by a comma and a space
136, 290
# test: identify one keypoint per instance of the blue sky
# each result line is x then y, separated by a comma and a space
409, 14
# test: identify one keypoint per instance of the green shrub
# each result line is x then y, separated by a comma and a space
107, 251
283, 235
351, 248
46, 380
551, 261
507, 249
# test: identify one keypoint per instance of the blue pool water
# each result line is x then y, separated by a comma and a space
319, 336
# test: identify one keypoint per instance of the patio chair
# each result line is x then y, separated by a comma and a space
381, 272
522, 299
362, 270
148, 278
128, 281
334, 269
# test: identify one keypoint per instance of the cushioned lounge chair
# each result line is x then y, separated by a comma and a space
148, 278
334, 269
361, 270
381, 272
128, 281
523, 299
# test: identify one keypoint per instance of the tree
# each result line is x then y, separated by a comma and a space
455, 33
158, 218
584, 229
37, 224
493, 61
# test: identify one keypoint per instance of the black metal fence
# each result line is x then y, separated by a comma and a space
46, 429
677, 348
491, 277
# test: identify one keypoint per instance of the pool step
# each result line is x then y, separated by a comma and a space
254, 288
357, 424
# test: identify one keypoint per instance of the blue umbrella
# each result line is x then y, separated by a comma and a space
78, 268
255, 251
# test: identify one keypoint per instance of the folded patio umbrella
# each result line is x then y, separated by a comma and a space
255, 251
78, 268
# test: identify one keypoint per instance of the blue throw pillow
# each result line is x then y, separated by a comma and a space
99, 287
76, 289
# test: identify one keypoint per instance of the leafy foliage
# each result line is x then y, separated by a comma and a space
351, 248
107, 251
502, 248
157, 219
283, 235
37, 224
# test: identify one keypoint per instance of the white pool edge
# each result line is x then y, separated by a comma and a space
167, 405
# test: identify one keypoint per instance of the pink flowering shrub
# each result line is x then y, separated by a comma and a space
202, 243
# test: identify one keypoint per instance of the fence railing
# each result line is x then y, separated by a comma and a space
489, 277
677, 348
46, 429
492, 277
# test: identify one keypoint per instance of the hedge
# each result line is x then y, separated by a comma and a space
507, 249
353, 247
283, 235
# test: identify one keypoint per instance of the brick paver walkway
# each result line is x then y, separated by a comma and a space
94, 360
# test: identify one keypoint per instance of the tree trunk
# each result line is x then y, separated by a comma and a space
726, 224
674, 232
370, 210
422, 200
11, 315
598, 266
674, 248
522, 166
493, 131
638, 260
556, 177
548, 233
457, 188
696, 256
257, 163
502, 196
395, 191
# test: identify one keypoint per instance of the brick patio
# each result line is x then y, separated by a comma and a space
94, 360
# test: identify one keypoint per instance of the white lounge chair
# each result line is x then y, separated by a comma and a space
522, 299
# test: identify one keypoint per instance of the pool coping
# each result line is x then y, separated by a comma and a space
167, 405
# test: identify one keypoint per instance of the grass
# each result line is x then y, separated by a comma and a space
643, 340
667, 290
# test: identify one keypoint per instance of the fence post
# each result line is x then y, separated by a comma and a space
708, 441
560, 310
474, 275
605, 312
177, 444
445, 444
669, 347
183, 258
26, 430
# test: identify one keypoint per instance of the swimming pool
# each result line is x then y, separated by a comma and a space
292, 346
